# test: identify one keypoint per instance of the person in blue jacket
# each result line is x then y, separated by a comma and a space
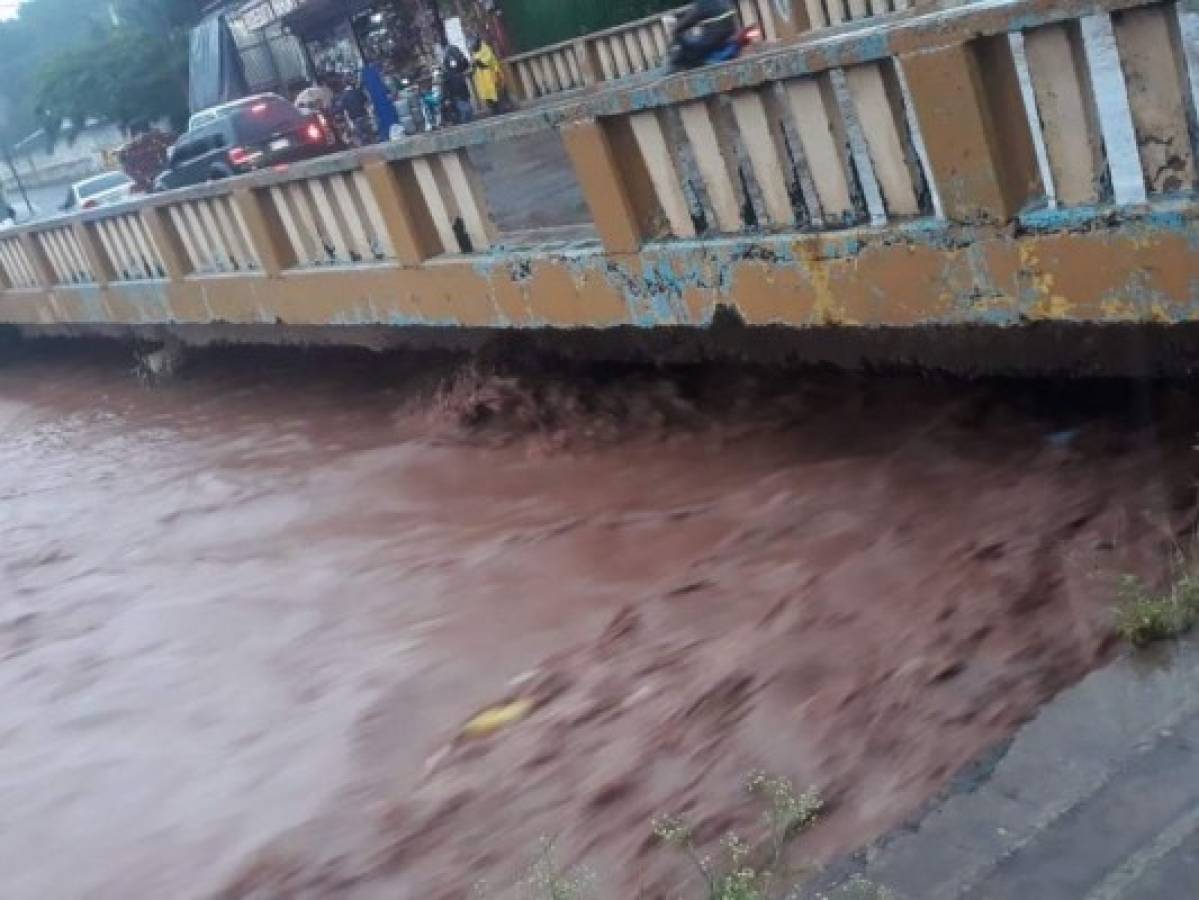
380, 97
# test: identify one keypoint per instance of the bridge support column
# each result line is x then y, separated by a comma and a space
967, 100
615, 182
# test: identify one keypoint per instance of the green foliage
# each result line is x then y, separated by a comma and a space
1142, 617
131, 69
743, 871
44, 29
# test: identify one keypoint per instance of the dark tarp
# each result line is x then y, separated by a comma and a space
215, 70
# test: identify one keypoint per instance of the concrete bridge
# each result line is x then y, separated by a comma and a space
992, 164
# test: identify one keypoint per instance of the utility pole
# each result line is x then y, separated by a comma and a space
8, 154
17, 177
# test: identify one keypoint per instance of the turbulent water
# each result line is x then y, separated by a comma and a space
245, 612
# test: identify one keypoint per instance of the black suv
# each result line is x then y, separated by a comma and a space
240, 137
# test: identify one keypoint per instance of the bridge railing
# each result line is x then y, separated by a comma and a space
970, 115
643, 45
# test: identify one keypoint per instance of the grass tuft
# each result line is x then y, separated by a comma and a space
547, 881
1143, 617
858, 888
744, 871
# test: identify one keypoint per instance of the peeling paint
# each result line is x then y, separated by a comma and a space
1088, 264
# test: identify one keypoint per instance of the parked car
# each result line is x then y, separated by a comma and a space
254, 133
99, 190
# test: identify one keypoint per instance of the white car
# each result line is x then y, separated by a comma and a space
100, 190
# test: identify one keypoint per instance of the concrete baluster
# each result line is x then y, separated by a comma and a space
976, 132
709, 130
166, 242
591, 68
1155, 68
1069, 121
879, 104
95, 260
606, 59
264, 231
761, 133
37, 263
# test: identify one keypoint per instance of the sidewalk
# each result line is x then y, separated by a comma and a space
1095, 799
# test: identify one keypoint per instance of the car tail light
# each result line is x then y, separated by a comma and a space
258, 109
315, 133
753, 34
239, 156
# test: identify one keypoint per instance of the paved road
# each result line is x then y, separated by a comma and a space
46, 200
1096, 799
532, 188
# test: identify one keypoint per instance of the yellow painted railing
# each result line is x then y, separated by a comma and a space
644, 45
862, 175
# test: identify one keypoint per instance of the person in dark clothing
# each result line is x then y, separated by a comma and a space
456, 67
702, 29
352, 103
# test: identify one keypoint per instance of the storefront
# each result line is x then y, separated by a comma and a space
272, 58
339, 36
286, 45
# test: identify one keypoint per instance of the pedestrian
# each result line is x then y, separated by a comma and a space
489, 77
385, 111
350, 103
314, 99
456, 67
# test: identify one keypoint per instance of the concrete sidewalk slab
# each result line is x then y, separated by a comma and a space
1095, 799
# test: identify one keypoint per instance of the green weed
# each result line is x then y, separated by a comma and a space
1143, 617
743, 871
858, 888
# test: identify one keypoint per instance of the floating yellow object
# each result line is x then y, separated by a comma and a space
489, 721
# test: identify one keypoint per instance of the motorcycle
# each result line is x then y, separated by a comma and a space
729, 50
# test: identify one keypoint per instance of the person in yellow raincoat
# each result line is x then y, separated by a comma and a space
489, 77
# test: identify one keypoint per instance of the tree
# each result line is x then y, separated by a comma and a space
44, 29
132, 71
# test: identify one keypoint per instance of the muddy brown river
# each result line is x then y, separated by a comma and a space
244, 613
